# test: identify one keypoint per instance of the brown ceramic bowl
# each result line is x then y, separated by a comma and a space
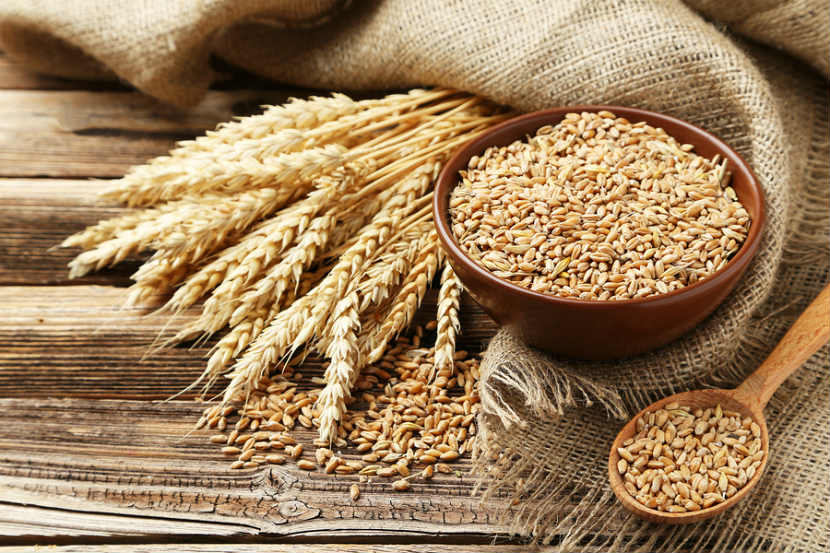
598, 329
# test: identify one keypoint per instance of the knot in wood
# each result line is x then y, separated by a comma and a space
295, 510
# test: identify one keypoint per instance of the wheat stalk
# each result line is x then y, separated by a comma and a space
241, 216
245, 261
297, 114
225, 307
243, 139
228, 304
303, 319
296, 220
385, 274
339, 339
351, 263
240, 335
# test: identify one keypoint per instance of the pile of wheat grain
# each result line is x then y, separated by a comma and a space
305, 229
403, 425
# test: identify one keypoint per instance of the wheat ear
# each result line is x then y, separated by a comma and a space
341, 373
110, 228
340, 337
223, 307
243, 139
301, 114
194, 228
406, 302
350, 265
254, 253
449, 303
238, 337
137, 239
269, 346
226, 176
157, 276
297, 114
385, 274
302, 320
294, 221
227, 304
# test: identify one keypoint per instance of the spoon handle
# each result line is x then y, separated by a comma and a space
804, 338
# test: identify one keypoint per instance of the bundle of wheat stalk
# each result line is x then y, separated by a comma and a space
305, 229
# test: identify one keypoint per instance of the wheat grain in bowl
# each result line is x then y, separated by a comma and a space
598, 208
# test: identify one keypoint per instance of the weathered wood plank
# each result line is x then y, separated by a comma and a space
290, 548
131, 469
483, 545
102, 134
14, 76
91, 470
78, 341
36, 215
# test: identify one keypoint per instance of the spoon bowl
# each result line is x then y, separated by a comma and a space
694, 399
809, 333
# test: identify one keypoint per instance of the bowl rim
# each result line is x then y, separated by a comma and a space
447, 179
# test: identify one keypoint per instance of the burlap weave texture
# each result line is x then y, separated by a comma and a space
753, 72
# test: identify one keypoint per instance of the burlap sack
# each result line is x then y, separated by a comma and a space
659, 54
557, 474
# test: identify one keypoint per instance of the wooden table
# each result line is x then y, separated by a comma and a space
90, 457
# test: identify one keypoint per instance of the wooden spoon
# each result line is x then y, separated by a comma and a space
809, 333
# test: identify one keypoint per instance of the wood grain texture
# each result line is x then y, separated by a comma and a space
131, 468
79, 341
288, 548
70, 133
36, 215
